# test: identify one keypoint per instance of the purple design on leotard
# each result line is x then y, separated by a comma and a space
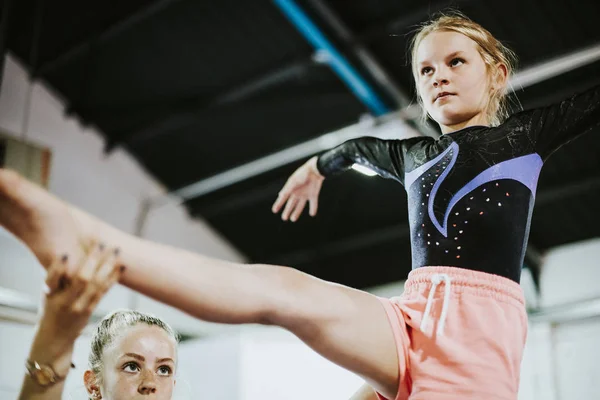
412, 176
524, 169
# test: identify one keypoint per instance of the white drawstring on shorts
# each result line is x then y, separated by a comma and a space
435, 281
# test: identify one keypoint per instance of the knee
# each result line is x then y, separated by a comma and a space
293, 301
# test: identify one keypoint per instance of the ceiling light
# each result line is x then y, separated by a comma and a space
364, 170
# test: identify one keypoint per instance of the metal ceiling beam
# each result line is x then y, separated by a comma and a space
554, 67
15, 300
275, 160
364, 55
569, 312
23, 309
369, 61
112, 31
334, 58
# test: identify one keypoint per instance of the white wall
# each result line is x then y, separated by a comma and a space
211, 368
571, 273
111, 188
277, 365
561, 359
15, 340
537, 366
576, 354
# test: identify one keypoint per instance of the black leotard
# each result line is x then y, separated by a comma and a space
471, 192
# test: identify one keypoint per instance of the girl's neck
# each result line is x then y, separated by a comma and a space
476, 120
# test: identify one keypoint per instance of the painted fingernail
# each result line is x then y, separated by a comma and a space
64, 258
122, 268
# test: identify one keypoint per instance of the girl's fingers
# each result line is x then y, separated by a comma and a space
313, 206
55, 273
298, 210
291, 203
281, 199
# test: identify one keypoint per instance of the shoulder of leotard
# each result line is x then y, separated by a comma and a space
519, 115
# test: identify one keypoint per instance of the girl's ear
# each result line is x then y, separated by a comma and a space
500, 77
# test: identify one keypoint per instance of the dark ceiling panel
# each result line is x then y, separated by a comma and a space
64, 23
362, 16
382, 263
189, 50
573, 219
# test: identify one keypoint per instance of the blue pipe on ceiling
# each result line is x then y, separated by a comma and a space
359, 86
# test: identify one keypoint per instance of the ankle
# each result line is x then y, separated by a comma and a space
9, 181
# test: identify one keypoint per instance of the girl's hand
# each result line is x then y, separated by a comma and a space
303, 186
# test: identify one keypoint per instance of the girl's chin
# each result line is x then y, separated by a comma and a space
451, 119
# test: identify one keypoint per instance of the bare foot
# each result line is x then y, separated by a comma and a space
42, 221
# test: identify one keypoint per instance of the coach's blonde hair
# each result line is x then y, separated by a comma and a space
114, 325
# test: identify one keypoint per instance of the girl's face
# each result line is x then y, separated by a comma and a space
452, 80
140, 365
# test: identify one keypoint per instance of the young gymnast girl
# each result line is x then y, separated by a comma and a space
458, 330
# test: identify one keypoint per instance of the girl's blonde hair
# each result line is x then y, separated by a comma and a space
492, 51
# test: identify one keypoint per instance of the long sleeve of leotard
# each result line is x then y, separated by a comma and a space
385, 157
555, 125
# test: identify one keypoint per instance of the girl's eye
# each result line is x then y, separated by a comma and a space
426, 70
456, 61
164, 370
131, 367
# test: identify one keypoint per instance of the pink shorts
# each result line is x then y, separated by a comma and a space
459, 334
